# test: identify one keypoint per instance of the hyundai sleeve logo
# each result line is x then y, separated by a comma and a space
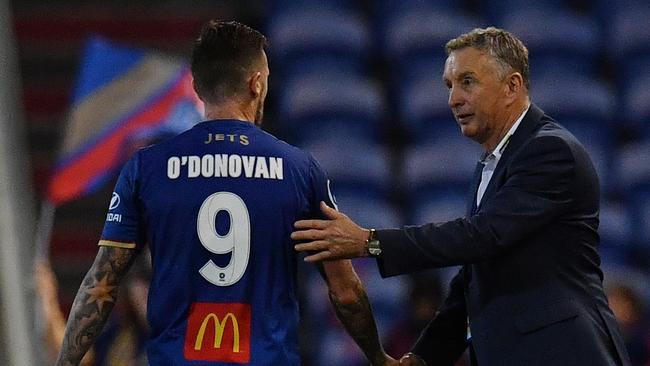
115, 201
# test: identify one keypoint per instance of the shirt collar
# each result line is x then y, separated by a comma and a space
504, 141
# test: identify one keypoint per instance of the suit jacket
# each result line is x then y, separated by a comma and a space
530, 282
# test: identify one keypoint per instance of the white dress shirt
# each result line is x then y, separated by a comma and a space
490, 162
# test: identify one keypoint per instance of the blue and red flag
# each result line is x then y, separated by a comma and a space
123, 98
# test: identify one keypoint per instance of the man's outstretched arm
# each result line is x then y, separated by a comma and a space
353, 309
94, 302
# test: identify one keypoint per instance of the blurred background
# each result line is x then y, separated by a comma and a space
356, 83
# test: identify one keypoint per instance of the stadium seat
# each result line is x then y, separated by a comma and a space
629, 34
279, 6
632, 167
597, 138
422, 105
639, 202
633, 172
439, 205
573, 96
419, 67
448, 159
303, 35
367, 208
495, 10
559, 42
635, 107
614, 229
386, 9
353, 165
418, 32
351, 99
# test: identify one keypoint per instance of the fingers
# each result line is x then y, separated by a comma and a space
311, 234
318, 257
311, 224
312, 246
328, 211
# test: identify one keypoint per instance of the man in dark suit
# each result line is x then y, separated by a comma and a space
530, 288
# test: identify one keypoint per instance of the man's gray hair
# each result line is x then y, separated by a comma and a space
505, 47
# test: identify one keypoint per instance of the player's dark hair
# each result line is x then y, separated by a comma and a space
222, 58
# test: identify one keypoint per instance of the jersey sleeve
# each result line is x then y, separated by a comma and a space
124, 224
321, 188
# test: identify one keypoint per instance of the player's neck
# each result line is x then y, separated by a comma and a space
228, 111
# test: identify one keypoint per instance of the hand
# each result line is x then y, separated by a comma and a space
337, 238
410, 359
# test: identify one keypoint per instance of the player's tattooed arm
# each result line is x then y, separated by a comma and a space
353, 309
94, 302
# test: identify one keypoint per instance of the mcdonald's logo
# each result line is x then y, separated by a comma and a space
218, 332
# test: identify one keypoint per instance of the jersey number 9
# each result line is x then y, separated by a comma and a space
237, 241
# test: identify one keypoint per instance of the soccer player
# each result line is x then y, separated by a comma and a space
216, 206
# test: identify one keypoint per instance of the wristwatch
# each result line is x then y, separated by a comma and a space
372, 244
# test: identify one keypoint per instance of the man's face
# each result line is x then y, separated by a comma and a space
259, 114
476, 93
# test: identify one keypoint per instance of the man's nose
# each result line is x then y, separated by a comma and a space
455, 98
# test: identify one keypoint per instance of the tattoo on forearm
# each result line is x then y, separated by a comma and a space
94, 302
358, 320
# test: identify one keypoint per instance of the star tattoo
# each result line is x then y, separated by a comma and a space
100, 293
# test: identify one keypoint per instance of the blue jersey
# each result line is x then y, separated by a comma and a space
216, 206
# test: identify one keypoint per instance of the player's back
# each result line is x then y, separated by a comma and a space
217, 205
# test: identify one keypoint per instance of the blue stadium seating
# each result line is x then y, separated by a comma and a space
448, 159
558, 41
367, 208
639, 203
278, 6
597, 138
421, 101
354, 165
418, 32
615, 233
388, 8
607, 8
635, 107
419, 67
439, 205
303, 35
495, 10
629, 34
355, 103
632, 166
573, 96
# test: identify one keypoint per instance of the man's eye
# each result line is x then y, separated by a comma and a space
468, 81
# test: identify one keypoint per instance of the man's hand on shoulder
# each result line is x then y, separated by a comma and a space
336, 238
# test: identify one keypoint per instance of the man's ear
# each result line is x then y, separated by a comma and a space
255, 84
514, 85
515, 82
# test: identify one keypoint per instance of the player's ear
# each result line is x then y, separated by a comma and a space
196, 90
255, 84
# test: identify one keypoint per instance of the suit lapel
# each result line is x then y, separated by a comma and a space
528, 125
476, 180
